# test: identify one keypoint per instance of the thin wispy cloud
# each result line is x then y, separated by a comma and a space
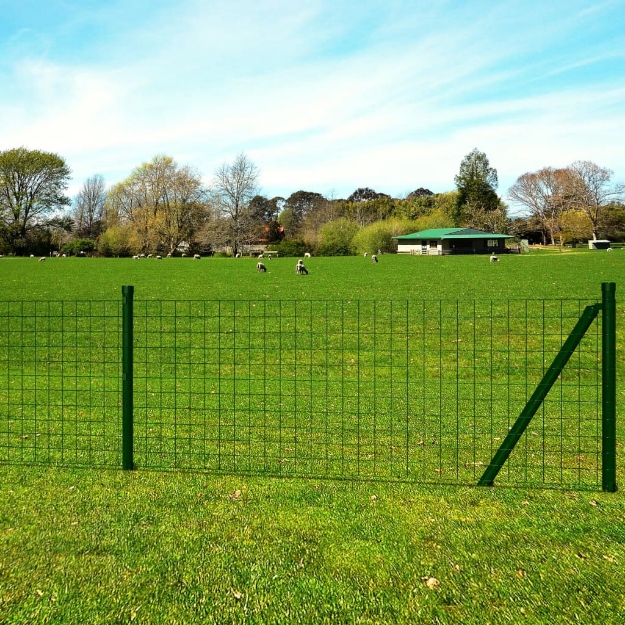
325, 97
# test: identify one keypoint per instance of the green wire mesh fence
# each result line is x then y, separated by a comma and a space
60, 382
422, 391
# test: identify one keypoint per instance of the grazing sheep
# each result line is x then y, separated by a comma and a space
135, 257
149, 256
42, 259
300, 269
32, 256
365, 254
237, 255
261, 256
196, 257
609, 249
64, 255
260, 267
374, 258
169, 255
183, 255
159, 258
493, 258
307, 255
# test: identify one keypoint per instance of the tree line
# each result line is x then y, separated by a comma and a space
165, 207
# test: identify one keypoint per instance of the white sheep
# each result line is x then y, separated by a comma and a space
374, 258
149, 256
183, 255
609, 249
32, 256
159, 258
366, 254
196, 257
237, 255
169, 255
135, 257
260, 267
493, 258
42, 259
261, 256
307, 255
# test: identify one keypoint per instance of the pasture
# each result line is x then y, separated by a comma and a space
173, 547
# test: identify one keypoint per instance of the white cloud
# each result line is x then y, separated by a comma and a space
395, 109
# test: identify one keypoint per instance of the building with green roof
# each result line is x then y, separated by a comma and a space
444, 241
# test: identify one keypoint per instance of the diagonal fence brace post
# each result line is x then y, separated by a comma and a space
549, 378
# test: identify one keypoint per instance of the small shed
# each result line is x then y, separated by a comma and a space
598, 244
444, 241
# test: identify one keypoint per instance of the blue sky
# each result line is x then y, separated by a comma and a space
326, 95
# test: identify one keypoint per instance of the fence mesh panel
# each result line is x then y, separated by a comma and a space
392, 390
60, 382
387, 390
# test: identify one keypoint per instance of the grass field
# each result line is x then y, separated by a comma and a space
100, 546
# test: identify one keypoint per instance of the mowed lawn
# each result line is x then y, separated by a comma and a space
102, 546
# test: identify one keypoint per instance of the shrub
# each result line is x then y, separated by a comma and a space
379, 235
115, 241
75, 247
291, 247
337, 237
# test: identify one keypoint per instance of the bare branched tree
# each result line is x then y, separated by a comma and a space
233, 188
88, 213
549, 193
543, 194
590, 190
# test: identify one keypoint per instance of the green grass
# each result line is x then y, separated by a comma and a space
106, 547
101, 546
543, 274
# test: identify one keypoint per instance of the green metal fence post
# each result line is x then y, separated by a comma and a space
608, 381
127, 387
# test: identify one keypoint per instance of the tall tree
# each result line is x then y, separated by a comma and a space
476, 183
32, 185
590, 190
60, 229
297, 207
88, 213
162, 202
233, 188
364, 194
544, 193
366, 212
417, 193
